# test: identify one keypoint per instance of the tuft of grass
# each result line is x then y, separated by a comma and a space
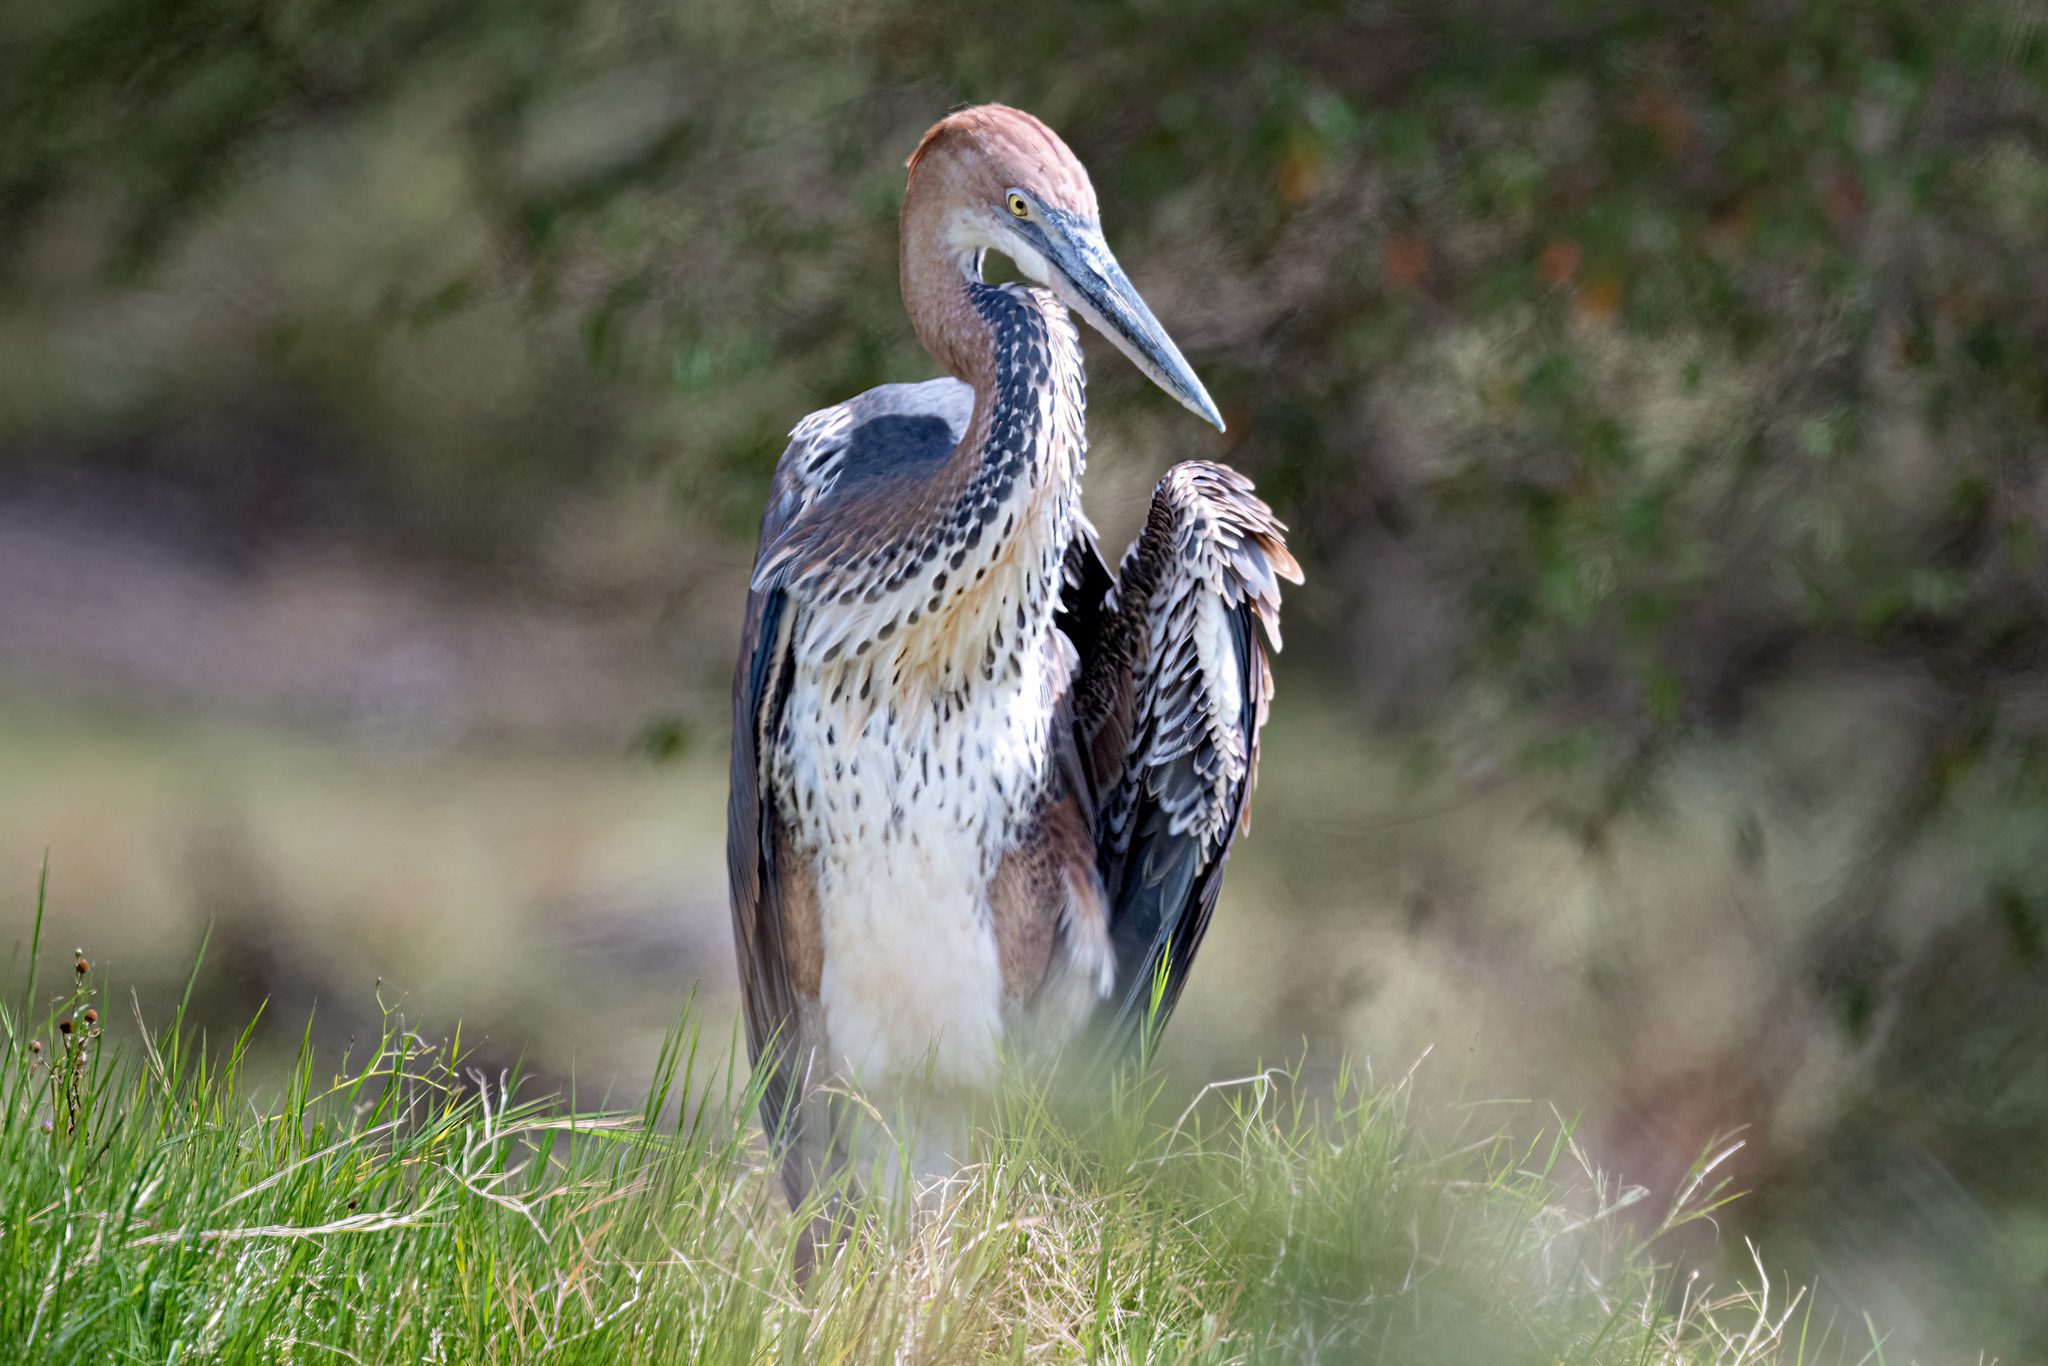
402, 1207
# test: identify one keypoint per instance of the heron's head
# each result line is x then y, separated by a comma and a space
994, 178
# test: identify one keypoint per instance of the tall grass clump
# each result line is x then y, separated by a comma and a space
159, 1205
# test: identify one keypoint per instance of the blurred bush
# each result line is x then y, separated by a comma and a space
1627, 359
1624, 368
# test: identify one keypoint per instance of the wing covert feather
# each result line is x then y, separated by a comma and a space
752, 857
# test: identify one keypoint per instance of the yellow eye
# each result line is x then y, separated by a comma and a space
1018, 206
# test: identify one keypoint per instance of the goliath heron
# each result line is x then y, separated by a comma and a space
983, 791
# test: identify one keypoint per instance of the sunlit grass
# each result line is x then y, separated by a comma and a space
398, 1206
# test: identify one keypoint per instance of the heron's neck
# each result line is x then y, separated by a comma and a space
1029, 393
1006, 500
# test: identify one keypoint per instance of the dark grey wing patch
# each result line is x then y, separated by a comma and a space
850, 448
895, 446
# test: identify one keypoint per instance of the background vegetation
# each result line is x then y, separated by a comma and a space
1658, 395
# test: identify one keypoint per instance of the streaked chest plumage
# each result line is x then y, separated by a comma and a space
917, 736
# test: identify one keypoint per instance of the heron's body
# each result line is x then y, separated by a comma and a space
977, 793
917, 751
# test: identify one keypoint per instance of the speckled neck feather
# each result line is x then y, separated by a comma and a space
961, 576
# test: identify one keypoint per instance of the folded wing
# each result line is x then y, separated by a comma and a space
885, 430
1173, 690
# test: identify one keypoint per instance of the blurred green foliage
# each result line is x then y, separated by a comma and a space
1666, 347
1616, 363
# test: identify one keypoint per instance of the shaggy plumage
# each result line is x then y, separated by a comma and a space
982, 790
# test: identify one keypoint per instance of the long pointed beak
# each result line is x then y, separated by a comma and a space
1087, 278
